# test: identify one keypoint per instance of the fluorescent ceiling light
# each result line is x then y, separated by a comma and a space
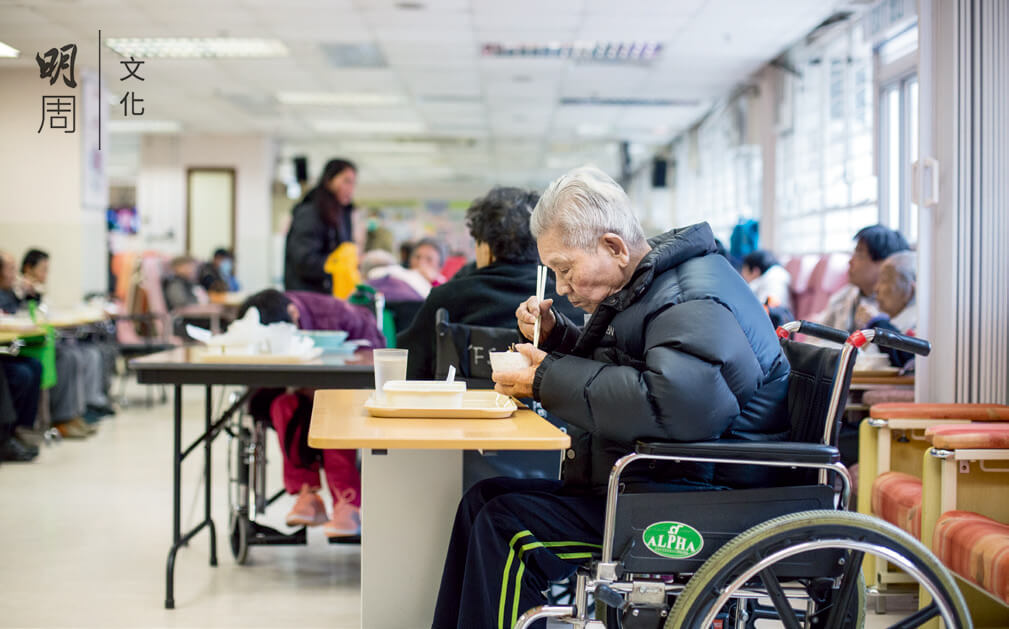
8, 52
144, 126
365, 127
196, 47
349, 99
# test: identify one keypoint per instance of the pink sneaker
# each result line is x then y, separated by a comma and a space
308, 510
346, 521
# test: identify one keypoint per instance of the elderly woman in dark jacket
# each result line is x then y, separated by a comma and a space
504, 276
677, 348
319, 224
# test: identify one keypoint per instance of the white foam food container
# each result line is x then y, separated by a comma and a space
423, 394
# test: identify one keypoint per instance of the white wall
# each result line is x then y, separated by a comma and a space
40, 179
654, 206
161, 195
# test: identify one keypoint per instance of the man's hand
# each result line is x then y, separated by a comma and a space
519, 383
526, 316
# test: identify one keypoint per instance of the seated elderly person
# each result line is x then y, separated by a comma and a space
768, 280
677, 348
381, 271
873, 244
290, 412
179, 285
504, 277
895, 295
427, 258
218, 275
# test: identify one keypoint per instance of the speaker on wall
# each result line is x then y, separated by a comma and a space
659, 168
301, 168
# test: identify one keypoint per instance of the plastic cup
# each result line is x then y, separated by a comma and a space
280, 338
390, 364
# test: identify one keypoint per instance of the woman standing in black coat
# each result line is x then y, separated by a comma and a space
319, 224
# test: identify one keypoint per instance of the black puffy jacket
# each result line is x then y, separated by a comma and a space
684, 352
309, 242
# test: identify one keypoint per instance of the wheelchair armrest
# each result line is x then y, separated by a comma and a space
745, 451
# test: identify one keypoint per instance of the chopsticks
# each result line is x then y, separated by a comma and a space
541, 289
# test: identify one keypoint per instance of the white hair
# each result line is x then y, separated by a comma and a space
376, 258
584, 204
904, 265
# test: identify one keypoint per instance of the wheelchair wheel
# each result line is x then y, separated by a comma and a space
238, 537
753, 561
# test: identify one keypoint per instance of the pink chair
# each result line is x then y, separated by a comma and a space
829, 275
801, 270
137, 310
151, 275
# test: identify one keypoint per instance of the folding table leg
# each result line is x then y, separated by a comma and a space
176, 499
207, 444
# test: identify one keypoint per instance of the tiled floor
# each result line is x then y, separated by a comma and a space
84, 532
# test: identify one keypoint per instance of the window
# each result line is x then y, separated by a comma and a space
898, 133
825, 188
718, 178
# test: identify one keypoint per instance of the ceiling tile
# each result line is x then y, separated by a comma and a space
659, 28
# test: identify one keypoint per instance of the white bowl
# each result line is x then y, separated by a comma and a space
508, 361
870, 362
424, 394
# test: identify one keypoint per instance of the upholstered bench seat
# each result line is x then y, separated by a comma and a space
961, 436
976, 548
888, 395
896, 498
972, 412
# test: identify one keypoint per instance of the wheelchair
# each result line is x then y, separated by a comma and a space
731, 558
248, 425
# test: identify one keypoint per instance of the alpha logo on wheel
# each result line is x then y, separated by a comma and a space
674, 540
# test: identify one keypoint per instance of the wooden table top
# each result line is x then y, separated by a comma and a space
23, 326
7, 337
888, 380
339, 421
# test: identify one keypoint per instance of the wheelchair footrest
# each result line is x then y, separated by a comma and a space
349, 539
262, 535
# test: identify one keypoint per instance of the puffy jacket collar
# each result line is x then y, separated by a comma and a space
669, 250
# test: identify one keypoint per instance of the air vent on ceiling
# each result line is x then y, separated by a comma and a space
631, 102
601, 52
253, 103
364, 55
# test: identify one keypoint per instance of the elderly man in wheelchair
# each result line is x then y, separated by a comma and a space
721, 515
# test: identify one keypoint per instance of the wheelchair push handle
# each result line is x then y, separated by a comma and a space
893, 340
818, 330
822, 331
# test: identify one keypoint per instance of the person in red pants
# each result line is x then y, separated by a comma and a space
291, 411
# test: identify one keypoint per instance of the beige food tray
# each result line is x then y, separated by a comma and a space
475, 405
